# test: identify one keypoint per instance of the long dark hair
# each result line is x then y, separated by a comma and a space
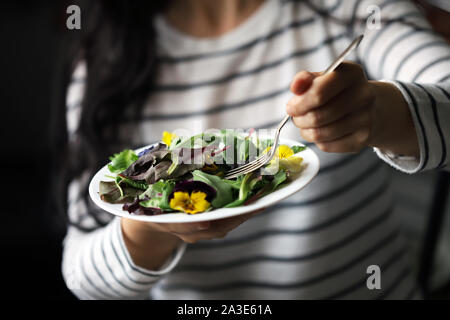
118, 46
117, 43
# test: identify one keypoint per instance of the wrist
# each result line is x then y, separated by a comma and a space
148, 246
393, 130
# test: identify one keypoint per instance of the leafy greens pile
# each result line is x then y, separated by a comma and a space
186, 174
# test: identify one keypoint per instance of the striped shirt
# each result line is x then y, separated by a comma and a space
317, 244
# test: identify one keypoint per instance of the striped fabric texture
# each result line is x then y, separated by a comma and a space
318, 243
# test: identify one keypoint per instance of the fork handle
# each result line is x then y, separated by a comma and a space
355, 43
277, 135
283, 122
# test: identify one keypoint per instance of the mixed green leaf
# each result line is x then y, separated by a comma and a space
185, 174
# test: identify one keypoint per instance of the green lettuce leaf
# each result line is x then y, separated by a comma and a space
278, 179
121, 161
224, 190
158, 195
244, 191
196, 141
135, 184
297, 149
235, 184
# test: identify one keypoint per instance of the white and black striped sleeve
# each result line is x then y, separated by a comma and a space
430, 110
96, 263
408, 53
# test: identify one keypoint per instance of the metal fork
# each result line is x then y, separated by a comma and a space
266, 157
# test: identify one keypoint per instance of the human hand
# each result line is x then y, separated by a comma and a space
334, 110
205, 230
344, 112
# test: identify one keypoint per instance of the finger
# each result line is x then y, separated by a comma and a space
302, 81
228, 224
218, 228
344, 103
351, 143
215, 231
337, 129
198, 236
245, 216
324, 88
186, 228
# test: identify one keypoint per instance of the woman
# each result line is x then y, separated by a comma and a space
198, 64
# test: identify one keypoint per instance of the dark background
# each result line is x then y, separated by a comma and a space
32, 34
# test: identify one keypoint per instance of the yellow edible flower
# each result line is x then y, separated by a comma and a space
283, 151
292, 164
168, 137
285, 159
190, 203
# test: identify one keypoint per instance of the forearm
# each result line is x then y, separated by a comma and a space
98, 265
393, 130
148, 247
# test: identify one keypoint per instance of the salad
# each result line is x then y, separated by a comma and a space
185, 174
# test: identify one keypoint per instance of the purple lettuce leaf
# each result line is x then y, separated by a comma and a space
138, 169
111, 193
136, 209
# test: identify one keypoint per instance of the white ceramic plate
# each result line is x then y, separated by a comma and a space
299, 181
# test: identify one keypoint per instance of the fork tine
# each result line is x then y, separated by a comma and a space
245, 166
242, 170
234, 175
238, 173
258, 162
